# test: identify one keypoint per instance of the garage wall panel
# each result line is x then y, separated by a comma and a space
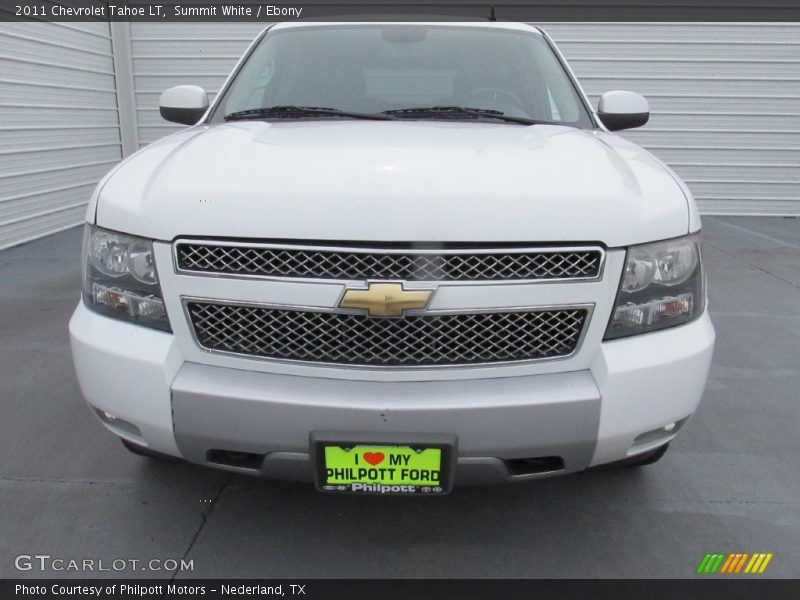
59, 127
167, 54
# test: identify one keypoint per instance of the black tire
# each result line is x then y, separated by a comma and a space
146, 452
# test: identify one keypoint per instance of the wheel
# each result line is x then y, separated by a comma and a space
146, 452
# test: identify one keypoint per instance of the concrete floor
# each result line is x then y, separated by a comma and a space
730, 482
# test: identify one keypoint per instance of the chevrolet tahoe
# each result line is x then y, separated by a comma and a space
394, 257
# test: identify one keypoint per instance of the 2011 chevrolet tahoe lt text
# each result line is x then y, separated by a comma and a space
390, 258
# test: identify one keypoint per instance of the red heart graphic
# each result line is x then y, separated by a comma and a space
374, 458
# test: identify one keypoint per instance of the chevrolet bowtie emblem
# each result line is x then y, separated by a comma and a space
386, 299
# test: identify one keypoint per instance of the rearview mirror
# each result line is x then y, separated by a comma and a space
184, 104
620, 109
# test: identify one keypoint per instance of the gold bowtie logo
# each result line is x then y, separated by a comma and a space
386, 299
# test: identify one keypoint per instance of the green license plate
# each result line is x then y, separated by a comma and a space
380, 468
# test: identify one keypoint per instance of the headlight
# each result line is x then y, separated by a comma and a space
120, 278
662, 286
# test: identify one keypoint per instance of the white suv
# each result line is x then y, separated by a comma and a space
393, 257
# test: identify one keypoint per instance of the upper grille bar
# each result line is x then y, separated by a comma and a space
333, 263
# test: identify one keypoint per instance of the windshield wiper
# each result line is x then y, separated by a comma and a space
297, 112
456, 112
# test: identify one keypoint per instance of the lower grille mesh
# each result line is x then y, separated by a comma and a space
447, 339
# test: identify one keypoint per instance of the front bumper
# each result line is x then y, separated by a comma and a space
635, 396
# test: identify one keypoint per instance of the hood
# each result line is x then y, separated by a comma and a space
412, 181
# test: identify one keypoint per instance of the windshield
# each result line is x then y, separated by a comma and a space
376, 68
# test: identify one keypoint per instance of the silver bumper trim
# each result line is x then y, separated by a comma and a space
494, 419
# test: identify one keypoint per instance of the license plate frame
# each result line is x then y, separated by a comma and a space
401, 442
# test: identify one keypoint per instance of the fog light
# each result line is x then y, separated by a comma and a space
121, 425
655, 437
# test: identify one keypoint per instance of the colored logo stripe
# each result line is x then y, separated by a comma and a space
710, 563
734, 563
758, 564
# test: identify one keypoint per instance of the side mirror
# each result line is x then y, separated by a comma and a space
184, 104
619, 109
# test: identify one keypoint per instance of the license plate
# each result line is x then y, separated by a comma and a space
382, 466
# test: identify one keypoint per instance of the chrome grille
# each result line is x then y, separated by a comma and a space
267, 260
431, 339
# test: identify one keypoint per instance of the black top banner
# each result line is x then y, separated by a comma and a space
400, 10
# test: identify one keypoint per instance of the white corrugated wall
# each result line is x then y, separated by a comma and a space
59, 128
167, 54
725, 98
